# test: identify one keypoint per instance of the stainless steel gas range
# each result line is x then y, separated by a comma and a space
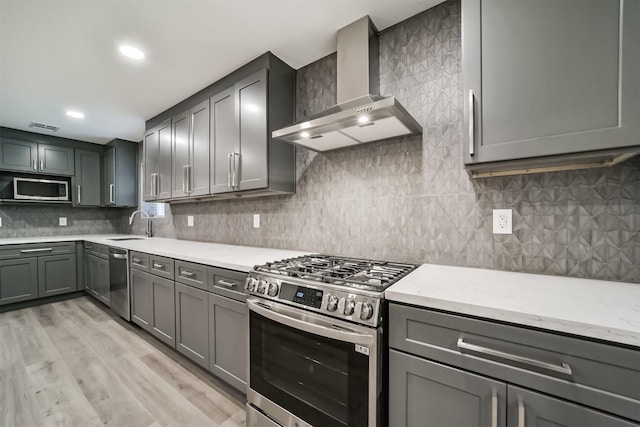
315, 341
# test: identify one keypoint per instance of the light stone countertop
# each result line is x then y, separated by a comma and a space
234, 257
591, 308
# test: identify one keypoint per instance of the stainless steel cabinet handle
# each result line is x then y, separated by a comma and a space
236, 169
29, 251
78, 193
229, 170
158, 266
35, 166
187, 274
41, 165
137, 261
471, 124
119, 256
190, 178
226, 284
564, 368
184, 178
156, 185
520, 414
494, 409
112, 187
153, 185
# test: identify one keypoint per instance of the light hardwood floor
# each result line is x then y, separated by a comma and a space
72, 363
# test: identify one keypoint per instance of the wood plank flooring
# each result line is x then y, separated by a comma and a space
72, 363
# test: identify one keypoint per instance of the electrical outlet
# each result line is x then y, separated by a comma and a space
62, 221
190, 221
256, 220
502, 221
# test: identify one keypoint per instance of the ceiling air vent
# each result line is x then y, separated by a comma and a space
37, 125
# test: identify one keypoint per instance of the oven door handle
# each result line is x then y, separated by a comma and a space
325, 328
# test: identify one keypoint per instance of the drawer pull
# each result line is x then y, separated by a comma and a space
138, 261
187, 274
158, 266
227, 284
564, 368
29, 251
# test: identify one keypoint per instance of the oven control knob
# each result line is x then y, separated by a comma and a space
366, 311
262, 287
346, 306
332, 302
273, 289
251, 284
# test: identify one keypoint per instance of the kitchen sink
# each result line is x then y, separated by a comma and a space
118, 239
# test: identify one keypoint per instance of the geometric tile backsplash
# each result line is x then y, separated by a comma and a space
409, 199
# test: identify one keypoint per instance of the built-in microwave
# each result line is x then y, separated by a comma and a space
40, 189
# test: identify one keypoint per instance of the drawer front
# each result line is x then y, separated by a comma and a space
139, 261
161, 266
593, 373
191, 274
228, 283
37, 249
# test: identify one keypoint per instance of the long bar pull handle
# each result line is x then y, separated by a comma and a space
28, 251
157, 186
190, 180
35, 165
112, 188
78, 193
229, 170
494, 409
41, 165
564, 368
184, 178
187, 274
520, 414
119, 256
471, 124
153, 185
158, 266
226, 284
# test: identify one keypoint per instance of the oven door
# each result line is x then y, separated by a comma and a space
309, 369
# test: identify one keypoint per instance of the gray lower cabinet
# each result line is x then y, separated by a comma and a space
428, 394
56, 274
96, 272
141, 299
450, 370
153, 305
549, 79
27, 156
18, 280
192, 323
88, 179
228, 340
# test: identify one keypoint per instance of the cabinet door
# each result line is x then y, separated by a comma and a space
164, 313
548, 78
228, 340
141, 299
198, 174
192, 324
224, 140
18, 280
423, 393
180, 154
164, 161
526, 408
55, 160
151, 151
19, 155
88, 273
250, 168
88, 178
103, 288
56, 275
110, 177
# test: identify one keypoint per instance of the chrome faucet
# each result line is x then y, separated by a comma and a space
143, 214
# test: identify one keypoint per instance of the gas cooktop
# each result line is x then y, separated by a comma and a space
340, 271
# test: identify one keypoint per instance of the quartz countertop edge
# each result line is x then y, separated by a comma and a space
233, 257
598, 309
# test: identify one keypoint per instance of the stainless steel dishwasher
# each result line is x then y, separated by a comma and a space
119, 282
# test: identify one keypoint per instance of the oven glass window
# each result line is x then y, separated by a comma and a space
318, 379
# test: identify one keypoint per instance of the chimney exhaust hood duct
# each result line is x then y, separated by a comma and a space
361, 114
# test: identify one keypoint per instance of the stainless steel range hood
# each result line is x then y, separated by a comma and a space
361, 114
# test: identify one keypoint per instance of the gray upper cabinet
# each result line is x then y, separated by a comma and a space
35, 157
88, 178
224, 134
157, 162
549, 84
120, 172
190, 139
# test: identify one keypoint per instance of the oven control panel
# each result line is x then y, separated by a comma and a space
331, 302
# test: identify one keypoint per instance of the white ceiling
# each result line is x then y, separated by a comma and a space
58, 55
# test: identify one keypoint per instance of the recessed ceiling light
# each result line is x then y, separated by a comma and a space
75, 114
363, 119
131, 52
304, 134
